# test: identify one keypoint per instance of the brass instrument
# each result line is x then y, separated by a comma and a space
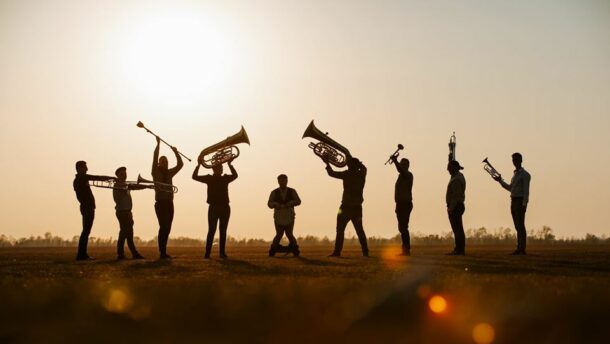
327, 149
452, 144
224, 150
141, 125
491, 170
395, 154
112, 184
157, 185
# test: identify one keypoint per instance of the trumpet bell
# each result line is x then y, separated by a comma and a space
141, 180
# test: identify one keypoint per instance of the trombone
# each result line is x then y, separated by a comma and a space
225, 150
395, 154
113, 184
488, 167
164, 187
327, 149
141, 125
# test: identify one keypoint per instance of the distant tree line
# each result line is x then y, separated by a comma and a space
474, 236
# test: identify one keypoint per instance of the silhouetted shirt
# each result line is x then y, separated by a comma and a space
519, 186
83, 189
287, 197
122, 197
218, 186
403, 186
353, 184
456, 190
164, 176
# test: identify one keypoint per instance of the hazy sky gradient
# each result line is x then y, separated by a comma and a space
506, 76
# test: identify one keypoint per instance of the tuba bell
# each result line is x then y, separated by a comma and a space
158, 185
327, 149
224, 150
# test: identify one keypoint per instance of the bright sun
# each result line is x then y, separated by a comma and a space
178, 54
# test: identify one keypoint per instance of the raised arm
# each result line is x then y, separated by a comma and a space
155, 162
196, 175
233, 174
180, 163
396, 164
333, 173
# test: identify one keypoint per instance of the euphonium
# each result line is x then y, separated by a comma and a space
224, 150
158, 185
452, 144
327, 149
491, 170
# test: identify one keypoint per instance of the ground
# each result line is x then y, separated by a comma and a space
556, 294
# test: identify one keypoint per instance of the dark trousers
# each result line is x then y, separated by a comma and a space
279, 232
517, 210
165, 215
126, 233
347, 214
218, 215
455, 218
403, 214
88, 217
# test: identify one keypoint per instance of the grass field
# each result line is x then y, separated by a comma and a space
556, 294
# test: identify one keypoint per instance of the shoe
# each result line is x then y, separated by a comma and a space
404, 253
518, 253
335, 254
206, 256
86, 257
272, 251
365, 254
165, 256
456, 253
137, 256
223, 256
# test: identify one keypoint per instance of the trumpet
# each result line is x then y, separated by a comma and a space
164, 187
327, 149
141, 125
395, 154
224, 150
452, 144
491, 170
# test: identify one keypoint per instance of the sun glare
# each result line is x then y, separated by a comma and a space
178, 54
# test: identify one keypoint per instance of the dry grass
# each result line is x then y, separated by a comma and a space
556, 294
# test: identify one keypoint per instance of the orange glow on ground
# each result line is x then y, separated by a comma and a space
117, 301
437, 304
391, 257
483, 333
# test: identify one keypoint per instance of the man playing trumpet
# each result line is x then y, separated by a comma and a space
219, 210
519, 188
164, 201
354, 179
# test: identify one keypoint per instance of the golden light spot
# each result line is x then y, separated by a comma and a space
483, 333
118, 301
437, 304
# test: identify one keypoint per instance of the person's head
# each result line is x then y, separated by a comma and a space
163, 162
81, 167
454, 167
217, 170
517, 160
121, 173
282, 180
404, 162
353, 163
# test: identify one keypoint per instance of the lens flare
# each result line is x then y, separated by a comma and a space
117, 301
483, 333
437, 304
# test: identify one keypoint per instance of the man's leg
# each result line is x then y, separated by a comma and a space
160, 211
275, 244
129, 236
457, 226
357, 221
518, 210
403, 215
212, 223
342, 220
293, 246
120, 250
224, 224
88, 217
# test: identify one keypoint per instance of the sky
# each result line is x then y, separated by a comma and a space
506, 76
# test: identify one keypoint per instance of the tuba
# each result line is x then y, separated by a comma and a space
158, 185
224, 150
327, 149
491, 170
452, 143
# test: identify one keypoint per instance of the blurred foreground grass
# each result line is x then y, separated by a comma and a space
556, 294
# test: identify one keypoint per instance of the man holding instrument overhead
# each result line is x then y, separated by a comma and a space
404, 201
87, 205
519, 188
164, 201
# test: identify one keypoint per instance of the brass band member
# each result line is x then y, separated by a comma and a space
122, 198
87, 205
404, 201
519, 188
283, 200
354, 179
164, 201
456, 194
219, 210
